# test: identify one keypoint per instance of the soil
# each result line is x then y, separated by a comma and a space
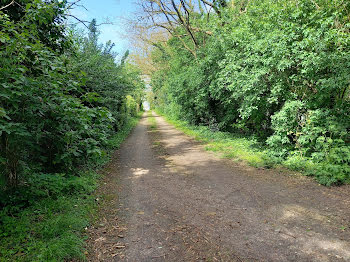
164, 198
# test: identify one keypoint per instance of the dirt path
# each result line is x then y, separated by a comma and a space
178, 202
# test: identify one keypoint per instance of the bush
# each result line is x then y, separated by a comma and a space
132, 108
278, 71
62, 109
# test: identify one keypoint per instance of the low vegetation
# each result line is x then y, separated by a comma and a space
151, 120
46, 219
66, 101
229, 145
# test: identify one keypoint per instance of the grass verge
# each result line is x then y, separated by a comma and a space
250, 151
226, 144
151, 120
46, 219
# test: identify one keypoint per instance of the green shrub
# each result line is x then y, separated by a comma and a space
278, 70
62, 110
132, 106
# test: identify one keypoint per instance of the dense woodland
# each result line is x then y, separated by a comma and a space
278, 71
273, 72
65, 102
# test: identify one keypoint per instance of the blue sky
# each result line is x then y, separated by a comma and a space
113, 10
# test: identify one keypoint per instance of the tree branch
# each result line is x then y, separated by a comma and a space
212, 6
85, 23
184, 24
13, 2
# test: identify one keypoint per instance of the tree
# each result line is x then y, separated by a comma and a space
181, 19
272, 69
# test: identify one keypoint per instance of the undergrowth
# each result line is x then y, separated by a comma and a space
250, 151
46, 217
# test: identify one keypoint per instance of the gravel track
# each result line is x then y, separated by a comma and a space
170, 200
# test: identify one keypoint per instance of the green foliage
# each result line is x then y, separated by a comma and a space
45, 219
314, 141
50, 227
106, 83
58, 111
131, 106
40, 128
45, 20
278, 71
286, 124
116, 140
65, 102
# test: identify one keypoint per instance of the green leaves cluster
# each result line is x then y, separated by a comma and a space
65, 102
278, 70
61, 97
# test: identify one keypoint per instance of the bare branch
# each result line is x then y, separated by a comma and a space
212, 6
177, 18
183, 22
4, 7
79, 20
75, 3
86, 23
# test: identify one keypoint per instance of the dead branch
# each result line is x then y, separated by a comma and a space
86, 23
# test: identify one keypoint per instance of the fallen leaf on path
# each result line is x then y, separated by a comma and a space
140, 213
210, 214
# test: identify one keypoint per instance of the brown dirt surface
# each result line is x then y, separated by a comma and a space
164, 198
